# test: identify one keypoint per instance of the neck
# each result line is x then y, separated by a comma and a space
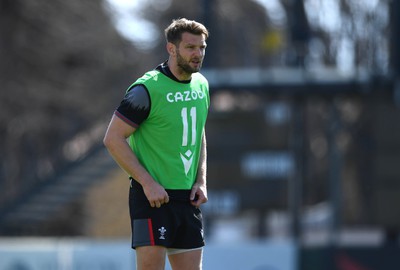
177, 71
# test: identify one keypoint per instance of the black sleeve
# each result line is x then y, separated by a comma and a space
135, 107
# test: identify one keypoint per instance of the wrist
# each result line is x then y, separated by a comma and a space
201, 182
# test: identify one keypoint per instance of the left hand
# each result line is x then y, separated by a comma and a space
198, 195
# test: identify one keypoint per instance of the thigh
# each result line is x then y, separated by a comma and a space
150, 258
189, 260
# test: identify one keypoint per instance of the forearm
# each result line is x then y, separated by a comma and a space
202, 169
198, 194
121, 152
119, 149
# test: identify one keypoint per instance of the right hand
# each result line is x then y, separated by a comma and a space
156, 194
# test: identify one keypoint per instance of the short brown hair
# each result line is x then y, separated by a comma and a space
173, 33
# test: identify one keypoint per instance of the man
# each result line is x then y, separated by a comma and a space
163, 114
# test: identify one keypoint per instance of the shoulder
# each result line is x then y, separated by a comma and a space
137, 92
135, 107
148, 77
200, 79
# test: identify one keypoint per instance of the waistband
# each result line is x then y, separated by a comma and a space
179, 195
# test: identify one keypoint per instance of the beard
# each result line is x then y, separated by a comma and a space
185, 65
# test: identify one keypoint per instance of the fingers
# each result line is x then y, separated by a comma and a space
199, 200
193, 194
156, 194
198, 195
159, 202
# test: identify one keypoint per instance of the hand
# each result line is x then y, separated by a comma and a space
198, 194
156, 194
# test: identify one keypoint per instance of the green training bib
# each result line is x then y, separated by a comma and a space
168, 142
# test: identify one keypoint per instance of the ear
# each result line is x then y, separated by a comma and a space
171, 48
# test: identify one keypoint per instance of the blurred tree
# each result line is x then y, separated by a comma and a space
236, 28
339, 33
349, 34
60, 64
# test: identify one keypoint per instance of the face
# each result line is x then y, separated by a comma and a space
190, 53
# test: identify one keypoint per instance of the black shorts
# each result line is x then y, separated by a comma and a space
177, 224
